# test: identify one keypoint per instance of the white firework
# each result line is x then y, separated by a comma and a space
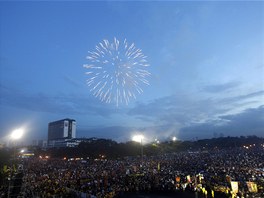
116, 71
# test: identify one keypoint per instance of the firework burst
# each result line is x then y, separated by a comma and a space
116, 71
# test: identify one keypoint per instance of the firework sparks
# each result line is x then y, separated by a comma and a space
116, 71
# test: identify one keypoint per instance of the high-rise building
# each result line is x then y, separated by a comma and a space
61, 131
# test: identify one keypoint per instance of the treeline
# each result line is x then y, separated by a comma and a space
105, 148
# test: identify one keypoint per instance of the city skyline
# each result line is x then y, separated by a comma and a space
206, 64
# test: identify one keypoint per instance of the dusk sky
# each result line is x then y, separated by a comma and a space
206, 63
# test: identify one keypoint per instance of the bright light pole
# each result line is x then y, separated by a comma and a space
15, 135
139, 138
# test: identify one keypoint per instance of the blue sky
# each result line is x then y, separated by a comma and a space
206, 63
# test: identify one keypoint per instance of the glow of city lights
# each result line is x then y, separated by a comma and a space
17, 134
156, 141
138, 138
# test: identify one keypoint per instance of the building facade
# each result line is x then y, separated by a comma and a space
40, 143
60, 132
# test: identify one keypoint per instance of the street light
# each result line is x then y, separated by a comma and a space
174, 139
15, 135
139, 138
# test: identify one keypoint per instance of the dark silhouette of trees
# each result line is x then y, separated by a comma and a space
106, 148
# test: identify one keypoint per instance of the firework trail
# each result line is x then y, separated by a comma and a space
116, 71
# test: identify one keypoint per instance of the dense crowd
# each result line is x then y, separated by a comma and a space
208, 172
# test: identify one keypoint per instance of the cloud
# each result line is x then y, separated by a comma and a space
182, 115
180, 109
195, 117
72, 104
252, 95
248, 122
220, 87
183, 108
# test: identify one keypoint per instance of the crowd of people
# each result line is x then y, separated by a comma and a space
209, 172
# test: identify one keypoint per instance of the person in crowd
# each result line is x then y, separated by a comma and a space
205, 172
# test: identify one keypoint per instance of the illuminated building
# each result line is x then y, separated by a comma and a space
61, 133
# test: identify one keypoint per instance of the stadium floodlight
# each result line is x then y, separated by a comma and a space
138, 138
174, 138
17, 134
